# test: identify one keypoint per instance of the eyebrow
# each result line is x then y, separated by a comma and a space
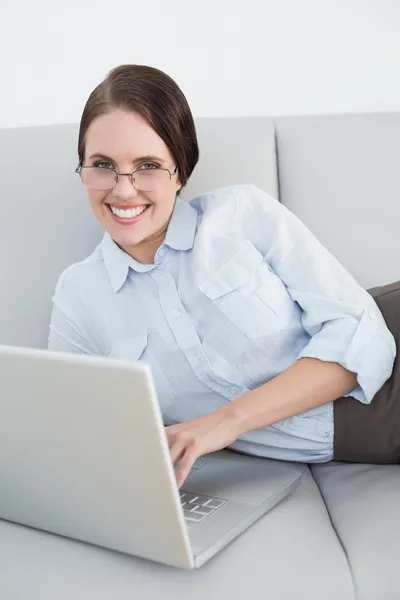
148, 158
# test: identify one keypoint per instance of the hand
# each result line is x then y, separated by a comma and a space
189, 441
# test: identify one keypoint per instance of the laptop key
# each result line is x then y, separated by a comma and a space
205, 510
214, 503
191, 516
202, 500
188, 497
196, 508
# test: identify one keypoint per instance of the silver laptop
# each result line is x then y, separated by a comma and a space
83, 454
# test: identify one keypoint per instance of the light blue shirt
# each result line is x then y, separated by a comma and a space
239, 291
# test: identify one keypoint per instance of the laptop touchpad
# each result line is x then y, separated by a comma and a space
200, 462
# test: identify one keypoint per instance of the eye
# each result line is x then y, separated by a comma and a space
148, 166
102, 164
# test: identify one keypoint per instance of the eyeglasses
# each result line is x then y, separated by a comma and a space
144, 180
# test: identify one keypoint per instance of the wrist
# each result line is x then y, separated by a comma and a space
235, 416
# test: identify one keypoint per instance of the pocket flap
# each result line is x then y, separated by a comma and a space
234, 273
130, 348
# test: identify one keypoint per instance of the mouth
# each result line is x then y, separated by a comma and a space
127, 216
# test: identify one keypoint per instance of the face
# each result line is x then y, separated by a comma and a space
136, 220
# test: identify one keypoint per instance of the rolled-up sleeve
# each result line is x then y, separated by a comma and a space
343, 320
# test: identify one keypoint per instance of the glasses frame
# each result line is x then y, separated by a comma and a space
117, 175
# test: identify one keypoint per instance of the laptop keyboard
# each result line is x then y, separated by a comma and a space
196, 508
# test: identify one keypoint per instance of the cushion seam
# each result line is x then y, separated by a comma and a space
337, 535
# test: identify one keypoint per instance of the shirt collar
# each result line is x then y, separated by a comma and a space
182, 226
180, 236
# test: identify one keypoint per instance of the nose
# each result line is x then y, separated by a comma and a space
124, 188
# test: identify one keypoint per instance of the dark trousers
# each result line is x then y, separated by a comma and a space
370, 433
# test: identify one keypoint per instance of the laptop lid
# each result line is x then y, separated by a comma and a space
83, 453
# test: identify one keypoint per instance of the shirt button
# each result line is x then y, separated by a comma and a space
199, 355
371, 316
176, 314
233, 390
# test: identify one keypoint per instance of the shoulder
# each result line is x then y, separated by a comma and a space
245, 213
234, 199
240, 211
80, 276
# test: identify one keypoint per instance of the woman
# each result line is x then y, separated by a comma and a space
257, 337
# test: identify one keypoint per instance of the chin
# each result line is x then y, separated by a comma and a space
126, 241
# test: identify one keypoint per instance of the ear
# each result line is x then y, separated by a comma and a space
178, 183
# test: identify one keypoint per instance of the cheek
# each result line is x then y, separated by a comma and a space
95, 197
164, 202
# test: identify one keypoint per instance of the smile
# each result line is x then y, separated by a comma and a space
129, 213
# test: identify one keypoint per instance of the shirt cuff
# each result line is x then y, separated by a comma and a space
365, 347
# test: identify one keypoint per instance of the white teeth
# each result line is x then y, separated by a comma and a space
127, 214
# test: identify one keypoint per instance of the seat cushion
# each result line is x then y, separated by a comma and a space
291, 553
364, 504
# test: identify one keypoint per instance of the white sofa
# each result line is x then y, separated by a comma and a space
338, 536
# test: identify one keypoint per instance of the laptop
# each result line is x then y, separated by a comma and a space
83, 454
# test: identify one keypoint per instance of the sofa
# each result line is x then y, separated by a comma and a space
338, 536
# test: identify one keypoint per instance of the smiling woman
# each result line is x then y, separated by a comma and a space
137, 148
257, 338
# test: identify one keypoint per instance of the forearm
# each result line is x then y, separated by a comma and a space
307, 384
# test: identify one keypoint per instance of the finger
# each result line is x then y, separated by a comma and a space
171, 436
185, 466
170, 433
176, 451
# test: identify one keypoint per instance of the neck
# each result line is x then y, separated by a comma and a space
145, 252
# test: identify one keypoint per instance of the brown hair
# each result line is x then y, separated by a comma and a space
157, 98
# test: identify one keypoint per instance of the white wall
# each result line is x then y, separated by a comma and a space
231, 57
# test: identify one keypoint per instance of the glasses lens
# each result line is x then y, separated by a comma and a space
97, 178
150, 180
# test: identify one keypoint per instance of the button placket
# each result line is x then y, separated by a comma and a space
174, 312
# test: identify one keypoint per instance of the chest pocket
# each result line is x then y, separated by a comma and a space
247, 291
138, 348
